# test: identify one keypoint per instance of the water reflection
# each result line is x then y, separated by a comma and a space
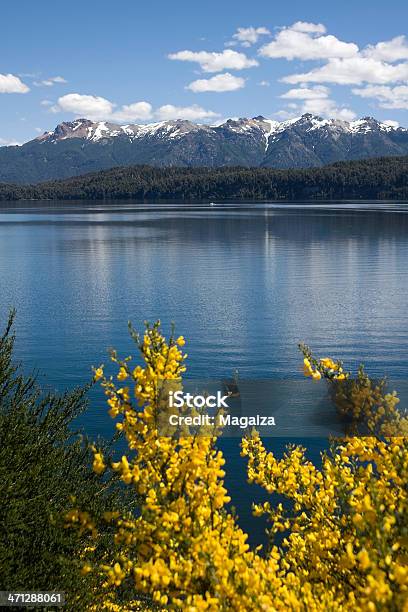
244, 285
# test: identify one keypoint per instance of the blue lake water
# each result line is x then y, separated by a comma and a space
244, 284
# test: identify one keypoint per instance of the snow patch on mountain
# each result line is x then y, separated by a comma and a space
268, 129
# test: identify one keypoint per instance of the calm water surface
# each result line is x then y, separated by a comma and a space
244, 284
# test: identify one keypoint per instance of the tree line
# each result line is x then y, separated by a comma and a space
380, 178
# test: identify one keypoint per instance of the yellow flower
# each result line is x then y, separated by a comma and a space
122, 375
98, 373
86, 568
328, 363
364, 559
99, 465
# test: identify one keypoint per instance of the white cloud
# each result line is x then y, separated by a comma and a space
250, 36
310, 28
388, 97
388, 51
91, 107
352, 71
316, 101
282, 115
391, 123
192, 113
346, 64
138, 111
28, 75
218, 83
101, 109
49, 82
46, 103
325, 107
98, 108
9, 83
4, 142
345, 114
216, 62
298, 42
307, 93
264, 83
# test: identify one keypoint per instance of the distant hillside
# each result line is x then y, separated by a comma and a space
81, 146
384, 178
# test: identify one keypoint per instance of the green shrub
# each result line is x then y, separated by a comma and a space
43, 463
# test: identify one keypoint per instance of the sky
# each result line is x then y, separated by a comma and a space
137, 62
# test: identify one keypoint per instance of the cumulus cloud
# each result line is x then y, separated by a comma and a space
138, 111
326, 107
4, 142
352, 71
192, 113
391, 123
283, 115
97, 108
388, 51
380, 64
218, 83
388, 97
249, 36
305, 41
307, 93
310, 28
316, 100
9, 83
215, 62
92, 107
50, 81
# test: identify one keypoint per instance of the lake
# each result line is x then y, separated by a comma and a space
243, 283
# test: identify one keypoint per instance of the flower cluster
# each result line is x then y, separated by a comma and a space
325, 367
371, 409
184, 549
342, 527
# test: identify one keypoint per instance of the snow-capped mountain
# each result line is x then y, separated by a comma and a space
103, 130
82, 145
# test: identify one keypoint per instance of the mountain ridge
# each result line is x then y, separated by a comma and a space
99, 130
77, 147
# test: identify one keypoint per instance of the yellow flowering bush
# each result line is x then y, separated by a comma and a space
370, 408
342, 527
345, 526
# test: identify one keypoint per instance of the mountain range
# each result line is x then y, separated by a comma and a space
82, 146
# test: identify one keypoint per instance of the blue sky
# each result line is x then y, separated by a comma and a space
134, 62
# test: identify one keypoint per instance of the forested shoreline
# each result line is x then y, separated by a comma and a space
380, 178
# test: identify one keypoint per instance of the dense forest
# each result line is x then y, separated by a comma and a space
381, 178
